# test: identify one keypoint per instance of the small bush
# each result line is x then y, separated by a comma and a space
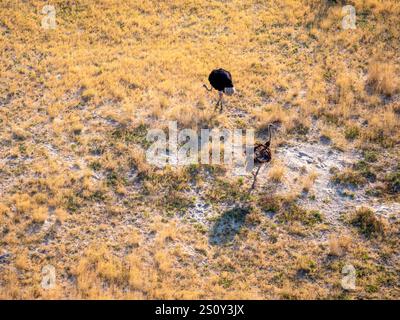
270, 203
352, 132
382, 78
277, 173
393, 182
370, 156
365, 170
367, 222
348, 176
292, 212
137, 135
299, 128
338, 245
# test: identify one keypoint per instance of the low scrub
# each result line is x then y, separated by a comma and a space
368, 223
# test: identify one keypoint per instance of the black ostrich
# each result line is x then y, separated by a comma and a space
221, 80
262, 154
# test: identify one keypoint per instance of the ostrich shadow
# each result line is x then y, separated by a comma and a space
227, 226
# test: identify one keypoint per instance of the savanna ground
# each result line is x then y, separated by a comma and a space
76, 191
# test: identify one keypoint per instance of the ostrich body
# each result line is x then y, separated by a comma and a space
262, 154
221, 80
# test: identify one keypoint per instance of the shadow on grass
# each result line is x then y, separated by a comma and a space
227, 226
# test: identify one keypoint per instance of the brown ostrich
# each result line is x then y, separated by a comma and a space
262, 154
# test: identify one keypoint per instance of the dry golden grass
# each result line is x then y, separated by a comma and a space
383, 78
308, 181
277, 172
76, 102
338, 245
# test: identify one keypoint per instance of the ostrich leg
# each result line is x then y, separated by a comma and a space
219, 102
255, 178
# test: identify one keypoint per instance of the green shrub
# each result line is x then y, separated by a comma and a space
352, 132
370, 156
348, 177
292, 212
393, 181
367, 222
365, 170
